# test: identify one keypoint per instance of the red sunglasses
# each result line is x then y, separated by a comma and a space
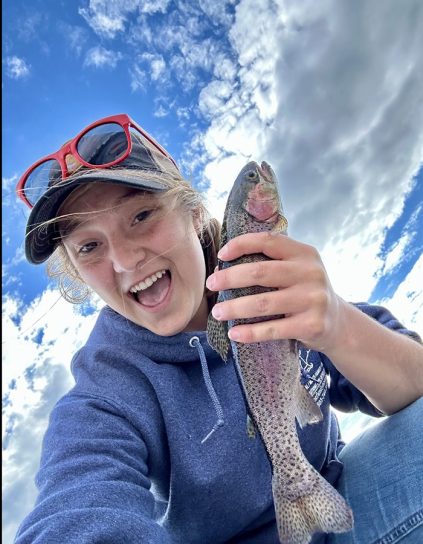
38, 177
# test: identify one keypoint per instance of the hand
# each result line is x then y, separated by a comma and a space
304, 294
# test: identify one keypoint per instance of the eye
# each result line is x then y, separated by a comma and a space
87, 248
251, 175
142, 216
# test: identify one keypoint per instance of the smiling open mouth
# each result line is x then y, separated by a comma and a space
153, 290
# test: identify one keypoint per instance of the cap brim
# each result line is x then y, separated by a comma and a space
41, 239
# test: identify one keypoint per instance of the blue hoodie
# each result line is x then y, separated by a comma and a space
128, 456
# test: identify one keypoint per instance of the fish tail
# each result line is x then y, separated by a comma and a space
323, 510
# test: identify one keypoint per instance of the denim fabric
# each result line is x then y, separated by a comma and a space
383, 481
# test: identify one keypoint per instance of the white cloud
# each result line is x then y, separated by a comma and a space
76, 36
17, 68
221, 172
148, 69
183, 113
138, 78
157, 65
161, 111
177, 46
34, 377
183, 73
14, 218
396, 254
158, 68
254, 32
327, 92
218, 11
18, 257
105, 18
108, 17
407, 301
224, 68
407, 306
30, 25
214, 97
22, 452
153, 6
332, 102
99, 57
200, 54
8, 184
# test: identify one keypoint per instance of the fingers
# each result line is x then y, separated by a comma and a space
289, 261
306, 331
264, 273
269, 273
269, 303
304, 317
300, 301
275, 246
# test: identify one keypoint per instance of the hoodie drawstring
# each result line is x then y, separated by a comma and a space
195, 342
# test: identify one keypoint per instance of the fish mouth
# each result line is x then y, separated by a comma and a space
263, 202
266, 172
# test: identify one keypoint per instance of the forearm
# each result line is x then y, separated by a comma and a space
385, 365
93, 479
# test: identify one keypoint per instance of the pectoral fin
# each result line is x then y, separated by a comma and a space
281, 227
307, 409
217, 336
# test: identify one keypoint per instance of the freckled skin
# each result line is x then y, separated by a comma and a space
270, 375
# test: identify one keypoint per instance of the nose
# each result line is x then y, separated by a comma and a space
125, 255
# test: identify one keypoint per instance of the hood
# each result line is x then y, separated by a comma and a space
161, 349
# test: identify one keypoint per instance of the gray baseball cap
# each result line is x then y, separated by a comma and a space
41, 238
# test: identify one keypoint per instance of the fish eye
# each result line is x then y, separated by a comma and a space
251, 175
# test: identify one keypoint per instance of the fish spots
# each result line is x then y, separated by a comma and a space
280, 384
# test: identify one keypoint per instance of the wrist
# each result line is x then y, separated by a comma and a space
342, 337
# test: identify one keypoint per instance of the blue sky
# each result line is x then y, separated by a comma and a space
328, 93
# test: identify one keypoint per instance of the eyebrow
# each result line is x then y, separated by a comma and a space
68, 225
130, 193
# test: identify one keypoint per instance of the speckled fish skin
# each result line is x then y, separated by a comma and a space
269, 372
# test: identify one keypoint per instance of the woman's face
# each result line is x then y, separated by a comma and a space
140, 255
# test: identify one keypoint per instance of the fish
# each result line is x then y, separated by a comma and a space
269, 374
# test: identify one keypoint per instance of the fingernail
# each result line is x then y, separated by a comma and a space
210, 282
222, 252
217, 312
233, 334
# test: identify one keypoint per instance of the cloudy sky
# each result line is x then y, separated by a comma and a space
329, 93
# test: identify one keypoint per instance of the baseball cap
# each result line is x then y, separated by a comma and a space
42, 238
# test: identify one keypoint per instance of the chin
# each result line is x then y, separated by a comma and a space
170, 330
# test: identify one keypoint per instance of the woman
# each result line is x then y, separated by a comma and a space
150, 444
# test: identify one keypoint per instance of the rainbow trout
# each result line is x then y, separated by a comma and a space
269, 373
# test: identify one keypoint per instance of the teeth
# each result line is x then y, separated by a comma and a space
147, 282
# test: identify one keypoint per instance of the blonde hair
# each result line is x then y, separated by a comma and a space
73, 288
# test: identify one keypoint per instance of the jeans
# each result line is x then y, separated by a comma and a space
382, 481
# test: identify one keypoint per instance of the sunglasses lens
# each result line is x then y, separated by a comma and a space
103, 144
40, 178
